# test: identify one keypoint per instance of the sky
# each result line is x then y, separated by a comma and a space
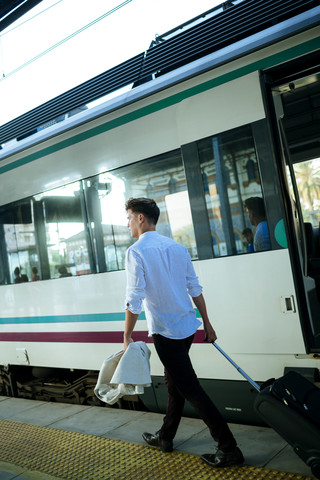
62, 43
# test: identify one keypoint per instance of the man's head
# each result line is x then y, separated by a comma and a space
256, 210
143, 214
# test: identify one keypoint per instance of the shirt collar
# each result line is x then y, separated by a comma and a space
150, 232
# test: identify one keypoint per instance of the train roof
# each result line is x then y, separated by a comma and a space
216, 37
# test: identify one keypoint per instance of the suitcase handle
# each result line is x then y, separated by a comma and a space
252, 382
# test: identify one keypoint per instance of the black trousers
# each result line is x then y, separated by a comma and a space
182, 384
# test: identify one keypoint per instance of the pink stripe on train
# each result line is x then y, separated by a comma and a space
80, 337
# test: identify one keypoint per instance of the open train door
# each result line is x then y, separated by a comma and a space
294, 100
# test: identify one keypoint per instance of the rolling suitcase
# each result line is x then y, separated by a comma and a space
291, 406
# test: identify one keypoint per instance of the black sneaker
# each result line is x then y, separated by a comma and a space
222, 459
155, 441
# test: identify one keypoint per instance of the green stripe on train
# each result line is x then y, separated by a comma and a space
89, 317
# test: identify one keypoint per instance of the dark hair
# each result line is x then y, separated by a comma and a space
256, 205
147, 206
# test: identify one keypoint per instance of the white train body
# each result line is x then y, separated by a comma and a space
253, 299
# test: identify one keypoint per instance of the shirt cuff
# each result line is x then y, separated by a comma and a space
195, 292
133, 307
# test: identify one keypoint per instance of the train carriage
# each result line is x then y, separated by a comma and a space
221, 110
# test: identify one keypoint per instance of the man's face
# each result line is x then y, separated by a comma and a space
252, 218
133, 223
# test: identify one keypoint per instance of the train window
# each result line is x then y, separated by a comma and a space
307, 175
105, 200
18, 246
82, 228
161, 178
61, 231
233, 194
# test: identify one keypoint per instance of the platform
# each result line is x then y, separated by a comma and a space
55, 441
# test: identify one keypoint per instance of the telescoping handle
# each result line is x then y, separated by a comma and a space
252, 382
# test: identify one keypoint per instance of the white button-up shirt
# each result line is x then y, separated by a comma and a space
160, 275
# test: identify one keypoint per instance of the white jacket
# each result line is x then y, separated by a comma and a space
124, 373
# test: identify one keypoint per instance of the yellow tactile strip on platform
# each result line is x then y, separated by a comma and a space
77, 456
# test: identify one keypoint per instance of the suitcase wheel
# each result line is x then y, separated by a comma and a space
315, 468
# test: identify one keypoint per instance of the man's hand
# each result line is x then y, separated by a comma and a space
210, 333
126, 342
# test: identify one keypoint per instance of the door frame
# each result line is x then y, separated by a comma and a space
282, 74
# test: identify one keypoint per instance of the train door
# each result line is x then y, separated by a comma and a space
296, 120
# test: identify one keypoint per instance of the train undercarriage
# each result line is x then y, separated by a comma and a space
58, 385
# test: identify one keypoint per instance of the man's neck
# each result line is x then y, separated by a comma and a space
145, 229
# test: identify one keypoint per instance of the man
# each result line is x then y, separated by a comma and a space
161, 275
257, 217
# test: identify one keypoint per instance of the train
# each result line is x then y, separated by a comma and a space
222, 109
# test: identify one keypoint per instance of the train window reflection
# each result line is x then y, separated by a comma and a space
230, 175
180, 220
308, 182
18, 236
163, 179
60, 222
105, 200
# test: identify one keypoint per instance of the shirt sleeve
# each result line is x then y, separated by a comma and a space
135, 291
193, 286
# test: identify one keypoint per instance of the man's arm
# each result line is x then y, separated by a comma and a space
135, 294
201, 306
130, 321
